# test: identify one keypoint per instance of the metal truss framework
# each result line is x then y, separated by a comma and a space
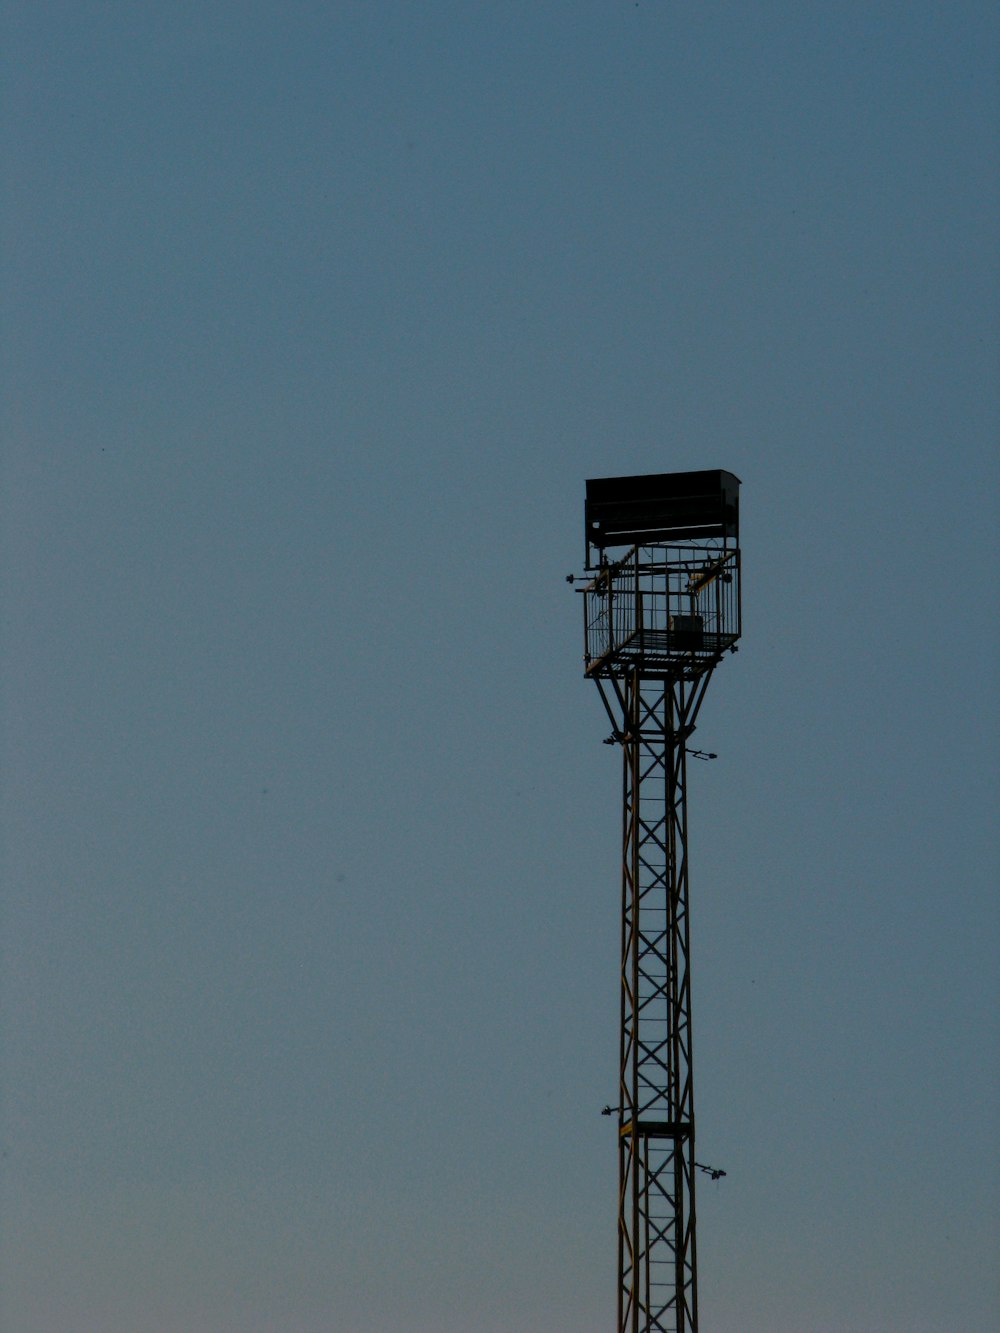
652, 720
657, 620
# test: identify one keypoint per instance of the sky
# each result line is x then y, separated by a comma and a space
317, 318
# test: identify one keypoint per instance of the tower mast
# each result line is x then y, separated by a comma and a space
658, 618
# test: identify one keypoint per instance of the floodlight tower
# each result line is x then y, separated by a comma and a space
659, 615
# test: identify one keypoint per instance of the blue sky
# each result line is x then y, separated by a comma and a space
317, 319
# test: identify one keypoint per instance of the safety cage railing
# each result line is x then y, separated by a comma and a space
662, 608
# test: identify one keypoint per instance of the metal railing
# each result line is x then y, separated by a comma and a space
663, 605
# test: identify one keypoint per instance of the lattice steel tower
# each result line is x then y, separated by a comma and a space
658, 616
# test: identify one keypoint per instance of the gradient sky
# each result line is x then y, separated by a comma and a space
318, 315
